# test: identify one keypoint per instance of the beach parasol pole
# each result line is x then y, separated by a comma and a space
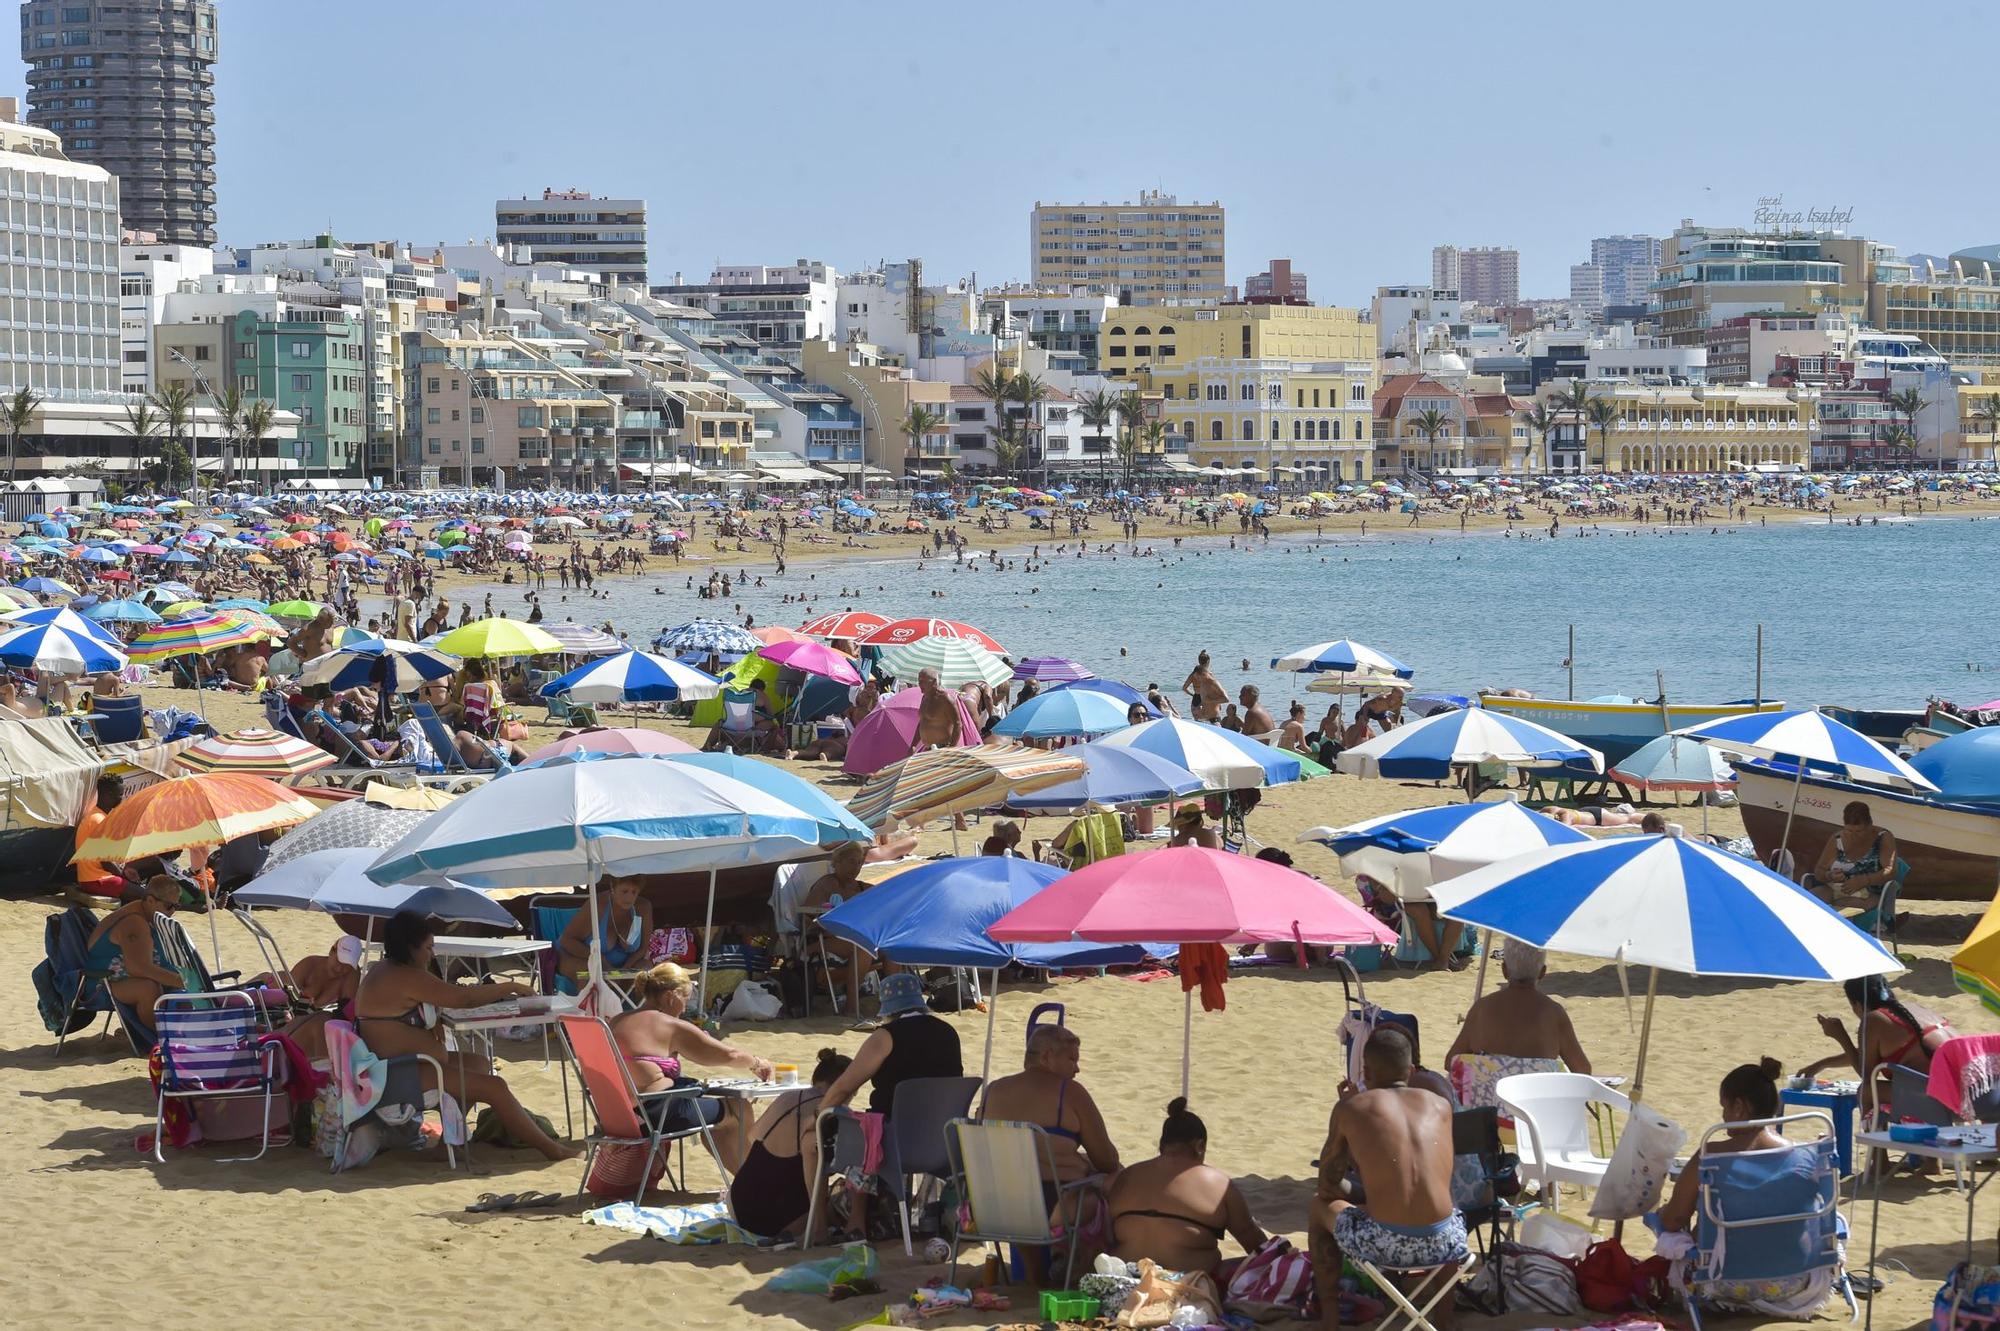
1187, 1037
707, 937
986, 1063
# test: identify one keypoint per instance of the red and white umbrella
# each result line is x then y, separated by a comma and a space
901, 632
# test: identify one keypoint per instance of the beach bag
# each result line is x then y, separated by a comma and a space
1609, 1280
1637, 1174
1969, 1300
615, 1172
1526, 1279
245, 1119
1276, 1281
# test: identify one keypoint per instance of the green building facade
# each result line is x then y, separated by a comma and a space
318, 369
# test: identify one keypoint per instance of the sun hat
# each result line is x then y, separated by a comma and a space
900, 993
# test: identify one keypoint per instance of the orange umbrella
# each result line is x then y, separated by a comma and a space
187, 811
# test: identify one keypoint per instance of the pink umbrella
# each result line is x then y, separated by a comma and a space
618, 739
814, 658
1188, 894
149, 549
889, 733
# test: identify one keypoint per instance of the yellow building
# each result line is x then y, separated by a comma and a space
1296, 421
1180, 335
1977, 443
883, 391
1690, 428
1960, 317
1158, 251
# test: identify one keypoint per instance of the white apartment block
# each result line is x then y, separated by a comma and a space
1480, 274
573, 227
148, 273
1628, 265
59, 301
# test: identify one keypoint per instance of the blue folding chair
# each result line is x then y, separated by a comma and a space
117, 720
1767, 1216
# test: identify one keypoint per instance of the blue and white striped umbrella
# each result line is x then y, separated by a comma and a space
708, 637
1667, 903
633, 677
359, 664
1407, 852
1429, 749
1345, 656
58, 651
1809, 741
70, 621
1223, 759
1064, 712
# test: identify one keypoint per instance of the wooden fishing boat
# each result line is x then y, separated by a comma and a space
1953, 849
1618, 729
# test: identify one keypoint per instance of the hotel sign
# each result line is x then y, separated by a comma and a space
1771, 212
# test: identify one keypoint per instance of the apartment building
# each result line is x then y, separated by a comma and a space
59, 270
1158, 251
1487, 275
779, 309
580, 230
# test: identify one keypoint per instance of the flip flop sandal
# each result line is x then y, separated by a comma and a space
493, 1201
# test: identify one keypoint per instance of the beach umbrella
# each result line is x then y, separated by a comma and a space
706, 637
633, 677
1429, 749
47, 587
56, 650
362, 824
1118, 689
1808, 740
1344, 656
1064, 712
956, 660
497, 637
1975, 967
612, 739
199, 632
843, 624
121, 612
294, 609
578, 819
889, 733
937, 914
1223, 759
1189, 894
257, 751
1052, 670
583, 639
1112, 778
337, 883
364, 662
937, 782
902, 631
773, 634
1668, 904
1409, 851
813, 658
71, 619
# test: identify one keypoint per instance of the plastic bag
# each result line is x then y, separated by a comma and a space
753, 1001
1637, 1174
855, 1263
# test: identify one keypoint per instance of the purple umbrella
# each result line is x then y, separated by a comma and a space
1052, 670
813, 658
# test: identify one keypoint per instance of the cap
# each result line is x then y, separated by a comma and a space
348, 950
900, 993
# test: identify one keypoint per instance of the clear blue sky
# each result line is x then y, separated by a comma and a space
1349, 137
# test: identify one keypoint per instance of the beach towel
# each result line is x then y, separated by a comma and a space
1094, 837
1476, 1077
390, 1089
689, 1226
1207, 965
1965, 1075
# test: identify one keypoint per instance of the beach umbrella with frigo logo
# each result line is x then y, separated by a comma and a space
847, 624
901, 632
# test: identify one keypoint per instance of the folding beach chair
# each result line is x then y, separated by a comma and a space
913, 1141
69, 992
446, 744
209, 1050
1768, 1217
548, 918
117, 720
996, 1168
1487, 1173
624, 1117
739, 719
1428, 1287
1880, 919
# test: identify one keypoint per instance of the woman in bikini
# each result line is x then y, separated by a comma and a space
1893, 1033
772, 1190
123, 943
1046, 1091
657, 1041
396, 1012
1175, 1208
624, 924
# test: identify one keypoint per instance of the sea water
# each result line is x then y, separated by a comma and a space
1878, 615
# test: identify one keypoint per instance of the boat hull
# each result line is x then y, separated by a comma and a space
1618, 729
1953, 850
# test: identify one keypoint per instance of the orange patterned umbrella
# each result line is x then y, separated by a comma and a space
257, 751
186, 811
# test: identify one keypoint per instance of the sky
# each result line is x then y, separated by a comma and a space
1347, 137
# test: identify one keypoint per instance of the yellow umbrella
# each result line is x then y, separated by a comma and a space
1976, 964
497, 637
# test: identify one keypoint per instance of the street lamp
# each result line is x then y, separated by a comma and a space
194, 445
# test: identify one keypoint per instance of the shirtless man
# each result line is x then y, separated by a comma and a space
1257, 718
311, 641
1399, 1139
937, 714
1385, 711
1206, 694
1518, 1020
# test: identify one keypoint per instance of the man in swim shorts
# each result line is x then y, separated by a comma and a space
1399, 1139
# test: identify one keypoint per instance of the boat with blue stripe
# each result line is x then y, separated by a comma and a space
1619, 727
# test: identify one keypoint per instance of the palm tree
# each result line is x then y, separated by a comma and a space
1031, 392
1156, 444
17, 413
1099, 410
142, 425
1602, 414
175, 403
229, 405
1543, 418
1131, 415
1431, 423
996, 385
1910, 404
1896, 437
921, 421
255, 423
1986, 411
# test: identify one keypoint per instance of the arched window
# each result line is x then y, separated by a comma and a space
1250, 431
1166, 330
1141, 331
1297, 433
1215, 430
1357, 427
1324, 426
1118, 332
1249, 393
1274, 431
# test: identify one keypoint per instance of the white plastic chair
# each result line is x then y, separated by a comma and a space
1551, 1113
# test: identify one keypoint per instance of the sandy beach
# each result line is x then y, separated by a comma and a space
392, 1242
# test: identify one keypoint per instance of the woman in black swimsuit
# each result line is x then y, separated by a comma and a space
1175, 1208
772, 1192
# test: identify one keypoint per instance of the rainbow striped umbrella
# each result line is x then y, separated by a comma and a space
198, 632
257, 751
938, 782
201, 810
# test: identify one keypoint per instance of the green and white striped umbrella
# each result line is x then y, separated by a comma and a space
956, 660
